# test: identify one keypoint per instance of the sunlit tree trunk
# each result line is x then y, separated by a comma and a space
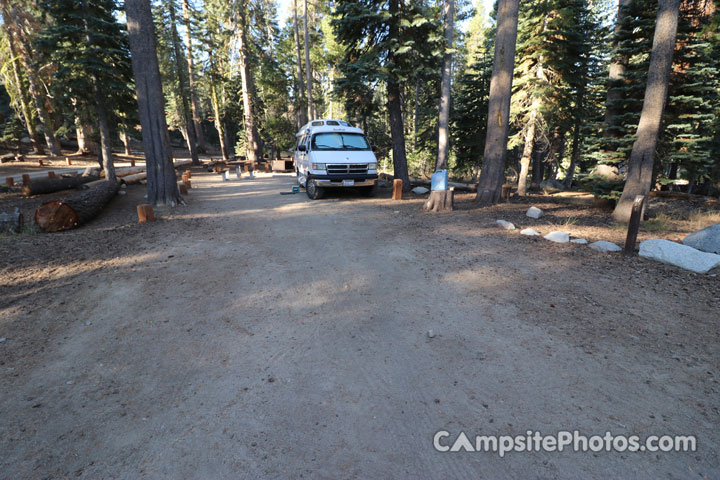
308, 68
495, 153
254, 148
642, 157
197, 120
218, 121
527, 150
444, 117
302, 105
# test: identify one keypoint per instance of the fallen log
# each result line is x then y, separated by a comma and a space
130, 179
465, 187
51, 185
9, 157
11, 222
66, 214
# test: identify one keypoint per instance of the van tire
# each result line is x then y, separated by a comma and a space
313, 191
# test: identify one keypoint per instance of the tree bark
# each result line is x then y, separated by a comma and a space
254, 148
197, 120
162, 184
642, 157
105, 142
184, 87
66, 214
218, 121
444, 115
22, 99
85, 143
308, 67
616, 74
527, 151
12, 24
397, 130
52, 185
575, 154
495, 153
302, 103
125, 139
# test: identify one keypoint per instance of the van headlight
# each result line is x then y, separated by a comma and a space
318, 166
372, 166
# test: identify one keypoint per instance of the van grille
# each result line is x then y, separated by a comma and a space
339, 168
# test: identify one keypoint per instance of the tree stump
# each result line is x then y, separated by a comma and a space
9, 181
132, 163
145, 213
187, 184
51, 174
66, 214
40, 162
397, 189
183, 189
26, 178
440, 200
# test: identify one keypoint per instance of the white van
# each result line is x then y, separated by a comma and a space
331, 154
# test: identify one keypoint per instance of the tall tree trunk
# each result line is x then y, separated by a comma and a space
495, 153
444, 116
616, 74
642, 157
184, 87
11, 24
218, 121
197, 120
161, 181
527, 151
575, 154
22, 99
416, 109
397, 129
302, 104
125, 139
308, 67
254, 148
105, 142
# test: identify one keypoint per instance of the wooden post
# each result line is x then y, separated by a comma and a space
188, 173
634, 225
187, 184
397, 189
183, 189
132, 162
26, 178
506, 189
51, 174
68, 161
9, 181
145, 213
40, 162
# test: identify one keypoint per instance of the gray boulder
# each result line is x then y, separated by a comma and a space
606, 172
603, 246
679, 255
707, 239
505, 225
552, 186
534, 212
557, 237
531, 232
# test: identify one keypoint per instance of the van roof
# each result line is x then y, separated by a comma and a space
328, 125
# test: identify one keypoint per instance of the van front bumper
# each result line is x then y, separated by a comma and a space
359, 180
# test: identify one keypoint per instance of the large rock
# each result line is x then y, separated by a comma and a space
679, 255
557, 237
531, 232
606, 172
707, 239
603, 246
534, 212
505, 225
551, 186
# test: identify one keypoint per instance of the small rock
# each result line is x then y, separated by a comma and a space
579, 241
706, 240
603, 246
396, 211
679, 255
69, 382
420, 190
529, 231
123, 186
2, 340
534, 212
505, 225
121, 192
557, 237
431, 333
551, 186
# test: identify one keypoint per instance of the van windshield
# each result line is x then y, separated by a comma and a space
339, 141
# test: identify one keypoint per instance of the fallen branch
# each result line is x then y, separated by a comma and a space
51, 185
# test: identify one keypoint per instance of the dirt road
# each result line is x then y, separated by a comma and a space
257, 335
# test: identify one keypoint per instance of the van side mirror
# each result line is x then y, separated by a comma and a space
301, 148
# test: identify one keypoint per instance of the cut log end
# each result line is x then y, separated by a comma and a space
183, 189
440, 201
9, 181
56, 216
145, 213
397, 189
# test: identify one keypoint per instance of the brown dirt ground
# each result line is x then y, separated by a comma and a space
265, 336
